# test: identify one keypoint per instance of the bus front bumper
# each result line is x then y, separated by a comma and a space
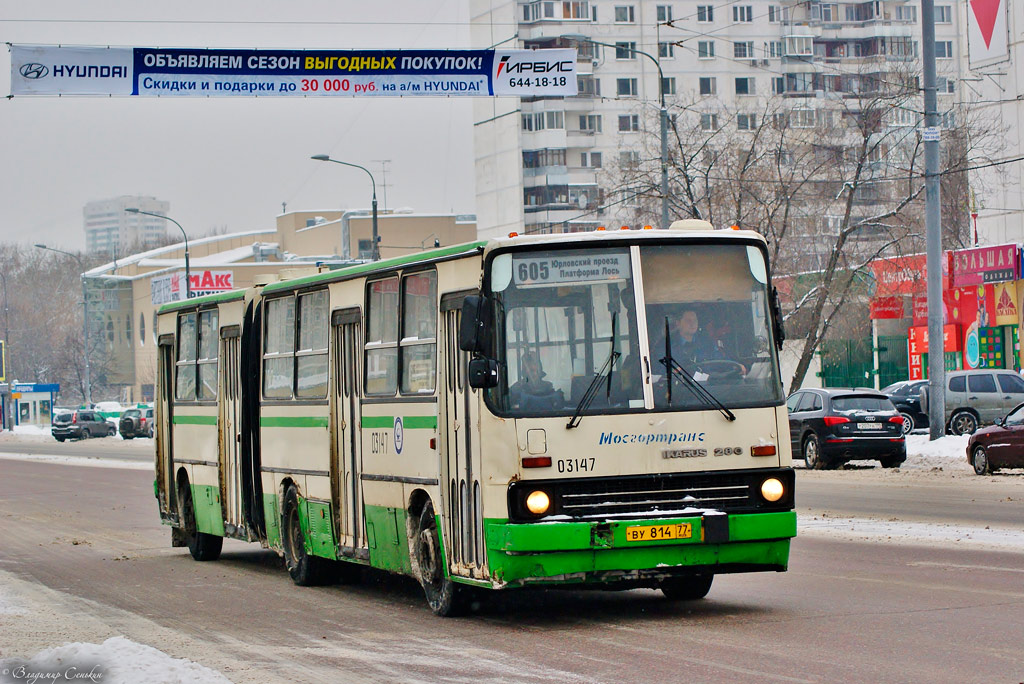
602, 552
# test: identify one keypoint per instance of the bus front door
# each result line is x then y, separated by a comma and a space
461, 460
230, 430
346, 457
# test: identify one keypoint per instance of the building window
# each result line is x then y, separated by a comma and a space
666, 50
625, 50
381, 348
802, 118
943, 14
575, 10
590, 123
590, 160
908, 13
705, 49
629, 159
629, 122
668, 86
830, 12
705, 13
708, 85
945, 86
743, 50
774, 48
943, 49
799, 46
587, 86
778, 85
142, 330
625, 14
664, 13
625, 87
709, 122
742, 14
311, 355
418, 348
746, 122
745, 86
774, 14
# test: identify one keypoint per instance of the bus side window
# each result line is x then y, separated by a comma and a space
311, 357
208, 351
381, 348
279, 348
418, 349
185, 370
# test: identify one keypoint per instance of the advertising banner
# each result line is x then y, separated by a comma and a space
886, 307
171, 288
207, 72
985, 265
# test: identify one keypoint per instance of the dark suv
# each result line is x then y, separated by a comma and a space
906, 397
80, 424
829, 427
137, 423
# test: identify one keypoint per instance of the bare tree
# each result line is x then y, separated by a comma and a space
832, 187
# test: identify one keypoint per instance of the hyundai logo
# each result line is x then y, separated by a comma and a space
34, 70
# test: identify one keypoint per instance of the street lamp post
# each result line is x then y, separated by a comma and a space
663, 116
188, 273
376, 238
87, 376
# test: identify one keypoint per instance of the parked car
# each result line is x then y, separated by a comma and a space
998, 446
977, 397
80, 424
906, 397
829, 427
137, 422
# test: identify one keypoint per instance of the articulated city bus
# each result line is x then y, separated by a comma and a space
599, 409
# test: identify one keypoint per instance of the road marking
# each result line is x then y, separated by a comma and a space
993, 568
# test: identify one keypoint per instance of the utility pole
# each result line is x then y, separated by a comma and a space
933, 230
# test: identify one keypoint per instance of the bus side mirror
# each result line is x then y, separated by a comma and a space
475, 326
780, 331
483, 373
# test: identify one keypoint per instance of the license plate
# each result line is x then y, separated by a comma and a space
870, 426
638, 533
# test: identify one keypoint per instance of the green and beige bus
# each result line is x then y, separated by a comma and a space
591, 409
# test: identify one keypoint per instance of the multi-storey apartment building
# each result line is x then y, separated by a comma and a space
729, 69
110, 230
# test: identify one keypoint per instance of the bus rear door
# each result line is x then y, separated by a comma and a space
346, 457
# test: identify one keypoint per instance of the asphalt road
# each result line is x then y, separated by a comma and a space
87, 543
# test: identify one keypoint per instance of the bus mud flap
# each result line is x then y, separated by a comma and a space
714, 528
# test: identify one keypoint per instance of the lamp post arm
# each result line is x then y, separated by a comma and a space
188, 272
373, 181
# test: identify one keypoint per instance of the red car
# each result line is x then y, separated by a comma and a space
1000, 445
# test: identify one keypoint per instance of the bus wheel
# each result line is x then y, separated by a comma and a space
446, 598
202, 546
305, 570
686, 588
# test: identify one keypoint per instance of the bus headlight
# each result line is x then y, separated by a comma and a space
538, 502
772, 489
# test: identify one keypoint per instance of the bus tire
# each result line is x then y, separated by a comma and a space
687, 587
445, 597
304, 569
202, 546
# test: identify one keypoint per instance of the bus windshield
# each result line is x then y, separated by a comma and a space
567, 322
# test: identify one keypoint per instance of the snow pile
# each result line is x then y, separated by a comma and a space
116, 661
903, 531
80, 461
31, 430
945, 452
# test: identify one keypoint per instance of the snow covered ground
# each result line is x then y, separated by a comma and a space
35, 433
33, 616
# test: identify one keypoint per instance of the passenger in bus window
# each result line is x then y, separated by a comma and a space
532, 385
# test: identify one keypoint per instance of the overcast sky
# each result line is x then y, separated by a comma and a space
228, 162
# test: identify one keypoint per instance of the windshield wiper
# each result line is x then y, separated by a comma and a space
605, 372
702, 393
